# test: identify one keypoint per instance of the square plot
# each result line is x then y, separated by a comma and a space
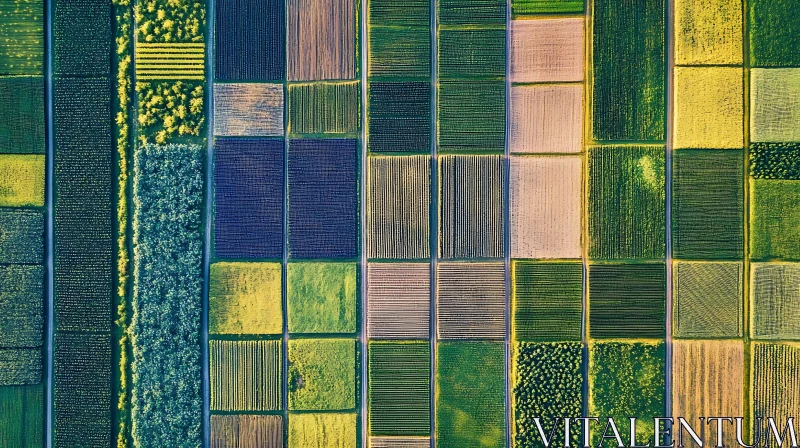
324, 108
546, 205
21, 236
625, 379
547, 50
709, 109
399, 118
470, 302
775, 161
775, 218
472, 115
398, 300
547, 301
546, 119
775, 292
21, 180
248, 198
23, 415
250, 40
322, 375
774, 28
708, 300
710, 33
708, 204
470, 394
473, 12
472, 53
627, 301
708, 379
321, 39
245, 298
399, 52
248, 110
22, 114
398, 207
20, 366
235, 431
775, 105
246, 375
83, 50
399, 396
627, 202
399, 13
322, 430
775, 377
547, 381
536, 7
21, 306
630, 73
22, 27
323, 198
471, 206
321, 297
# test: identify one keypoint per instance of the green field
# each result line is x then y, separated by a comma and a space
774, 219
22, 416
547, 301
321, 297
627, 300
322, 374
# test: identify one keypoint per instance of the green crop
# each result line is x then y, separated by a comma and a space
322, 374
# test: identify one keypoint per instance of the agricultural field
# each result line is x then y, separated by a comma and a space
246, 431
627, 300
471, 300
708, 299
321, 297
322, 374
399, 300
246, 375
546, 301
245, 298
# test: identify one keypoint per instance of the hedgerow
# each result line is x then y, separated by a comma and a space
166, 305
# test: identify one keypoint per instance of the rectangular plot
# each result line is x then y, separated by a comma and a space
775, 292
775, 105
627, 379
82, 390
774, 217
248, 109
250, 40
547, 301
398, 207
246, 375
322, 430
710, 32
248, 198
629, 72
470, 206
398, 300
245, 298
22, 46
708, 300
708, 379
536, 7
627, 301
167, 281
775, 385
471, 300
708, 204
83, 50
21, 236
170, 61
246, 431
84, 205
626, 202
22, 180
547, 50
22, 114
546, 119
709, 109
547, 382
323, 198
399, 52
470, 394
21, 306
472, 115
19, 366
22, 416
775, 161
399, 388
322, 375
325, 108
774, 28
321, 39
546, 203
472, 53
400, 442
473, 12
321, 297
399, 118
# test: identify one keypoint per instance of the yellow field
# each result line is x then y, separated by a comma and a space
22, 180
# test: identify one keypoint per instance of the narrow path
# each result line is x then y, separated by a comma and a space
49, 289
209, 203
